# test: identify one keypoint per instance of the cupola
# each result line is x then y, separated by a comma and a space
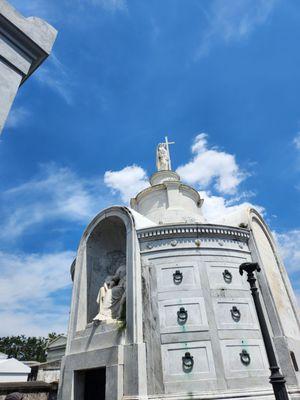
168, 200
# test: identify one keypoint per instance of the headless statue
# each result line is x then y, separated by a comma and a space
112, 296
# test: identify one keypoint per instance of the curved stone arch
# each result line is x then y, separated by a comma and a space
79, 310
254, 215
274, 270
118, 211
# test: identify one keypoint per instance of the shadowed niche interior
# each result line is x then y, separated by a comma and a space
106, 244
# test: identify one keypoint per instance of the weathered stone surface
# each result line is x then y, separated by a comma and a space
168, 200
33, 396
24, 44
30, 390
191, 326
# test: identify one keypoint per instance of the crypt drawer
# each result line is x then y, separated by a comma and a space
244, 358
187, 361
226, 276
182, 315
177, 277
235, 313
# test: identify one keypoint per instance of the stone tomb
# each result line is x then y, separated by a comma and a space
188, 328
114, 347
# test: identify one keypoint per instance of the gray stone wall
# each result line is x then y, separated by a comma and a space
151, 330
221, 332
210, 334
9, 84
24, 44
30, 390
105, 345
32, 396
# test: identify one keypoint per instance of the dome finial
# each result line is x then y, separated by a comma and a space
163, 159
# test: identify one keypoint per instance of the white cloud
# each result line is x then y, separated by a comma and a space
34, 323
289, 248
289, 243
128, 181
296, 141
210, 166
215, 208
16, 117
57, 193
234, 21
29, 284
57, 77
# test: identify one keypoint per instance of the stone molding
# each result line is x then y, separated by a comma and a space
261, 394
24, 45
32, 387
194, 230
31, 37
164, 186
164, 176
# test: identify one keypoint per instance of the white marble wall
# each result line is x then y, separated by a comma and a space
210, 334
145, 360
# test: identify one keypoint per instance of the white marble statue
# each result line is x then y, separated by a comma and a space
112, 296
163, 161
162, 157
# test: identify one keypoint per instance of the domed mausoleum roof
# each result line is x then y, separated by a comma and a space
167, 200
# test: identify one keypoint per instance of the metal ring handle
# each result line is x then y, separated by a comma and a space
235, 313
182, 314
188, 361
227, 275
245, 357
177, 277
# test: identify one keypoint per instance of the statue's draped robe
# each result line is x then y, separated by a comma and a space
111, 299
162, 158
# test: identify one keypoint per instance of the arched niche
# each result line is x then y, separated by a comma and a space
105, 246
277, 278
113, 229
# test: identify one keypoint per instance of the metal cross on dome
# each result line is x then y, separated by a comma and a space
167, 143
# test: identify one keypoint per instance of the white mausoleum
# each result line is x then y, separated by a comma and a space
12, 370
160, 311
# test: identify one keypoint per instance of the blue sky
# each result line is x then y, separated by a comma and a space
220, 78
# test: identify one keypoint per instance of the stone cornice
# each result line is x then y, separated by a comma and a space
164, 176
164, 186
193, 230
30, 38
